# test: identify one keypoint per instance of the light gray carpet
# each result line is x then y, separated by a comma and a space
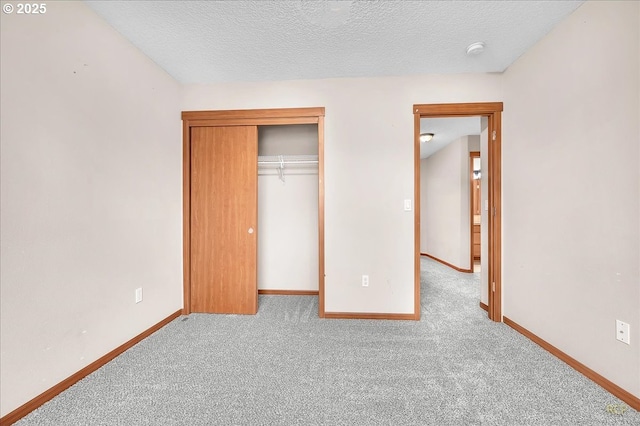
286, 366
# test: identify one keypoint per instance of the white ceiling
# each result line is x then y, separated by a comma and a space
446, 130
222, 41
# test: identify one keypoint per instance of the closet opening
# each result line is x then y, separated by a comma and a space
253, 207
288, 209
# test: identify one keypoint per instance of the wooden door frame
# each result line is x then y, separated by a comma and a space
493, 112
472, 155
247, 117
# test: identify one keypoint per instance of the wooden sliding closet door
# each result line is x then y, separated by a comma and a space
224, 218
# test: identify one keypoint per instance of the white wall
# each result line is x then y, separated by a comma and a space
474, 143
288, 211
444, 196
571, 188
90, 194
299, 139
424, 205
368, 171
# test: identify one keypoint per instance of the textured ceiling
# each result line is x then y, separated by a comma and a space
222, 41
446, 130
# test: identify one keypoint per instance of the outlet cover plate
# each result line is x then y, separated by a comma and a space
623, 332
365, 281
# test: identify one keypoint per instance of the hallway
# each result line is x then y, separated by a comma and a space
448, 293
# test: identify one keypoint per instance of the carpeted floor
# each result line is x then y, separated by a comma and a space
285, 366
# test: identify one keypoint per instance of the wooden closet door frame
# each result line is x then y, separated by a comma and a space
493, 112
248, 117
472, 155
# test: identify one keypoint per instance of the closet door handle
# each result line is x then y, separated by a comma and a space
250, 230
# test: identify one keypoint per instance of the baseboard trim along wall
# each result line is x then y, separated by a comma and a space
47, 395
484, 306
608, 385
289, 292
447, 263
369, 315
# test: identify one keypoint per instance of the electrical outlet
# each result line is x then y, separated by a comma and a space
138, 295
365, 281
623, 332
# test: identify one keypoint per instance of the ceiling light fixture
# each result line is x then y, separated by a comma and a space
426, 137
475, 48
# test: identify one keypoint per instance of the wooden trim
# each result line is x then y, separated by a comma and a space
186, 217
289, 292
472, 259
457, 110
495, 219
467, 271
254, 113
47, 395
321, 271
262, 121
416, 216
491, 110
617, 391
485, 307
253, 117
368, 315
472, 155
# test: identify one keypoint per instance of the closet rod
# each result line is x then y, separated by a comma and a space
288, 162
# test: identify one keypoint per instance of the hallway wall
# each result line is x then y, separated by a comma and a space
444, 199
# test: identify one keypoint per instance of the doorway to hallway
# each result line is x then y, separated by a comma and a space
492, 113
